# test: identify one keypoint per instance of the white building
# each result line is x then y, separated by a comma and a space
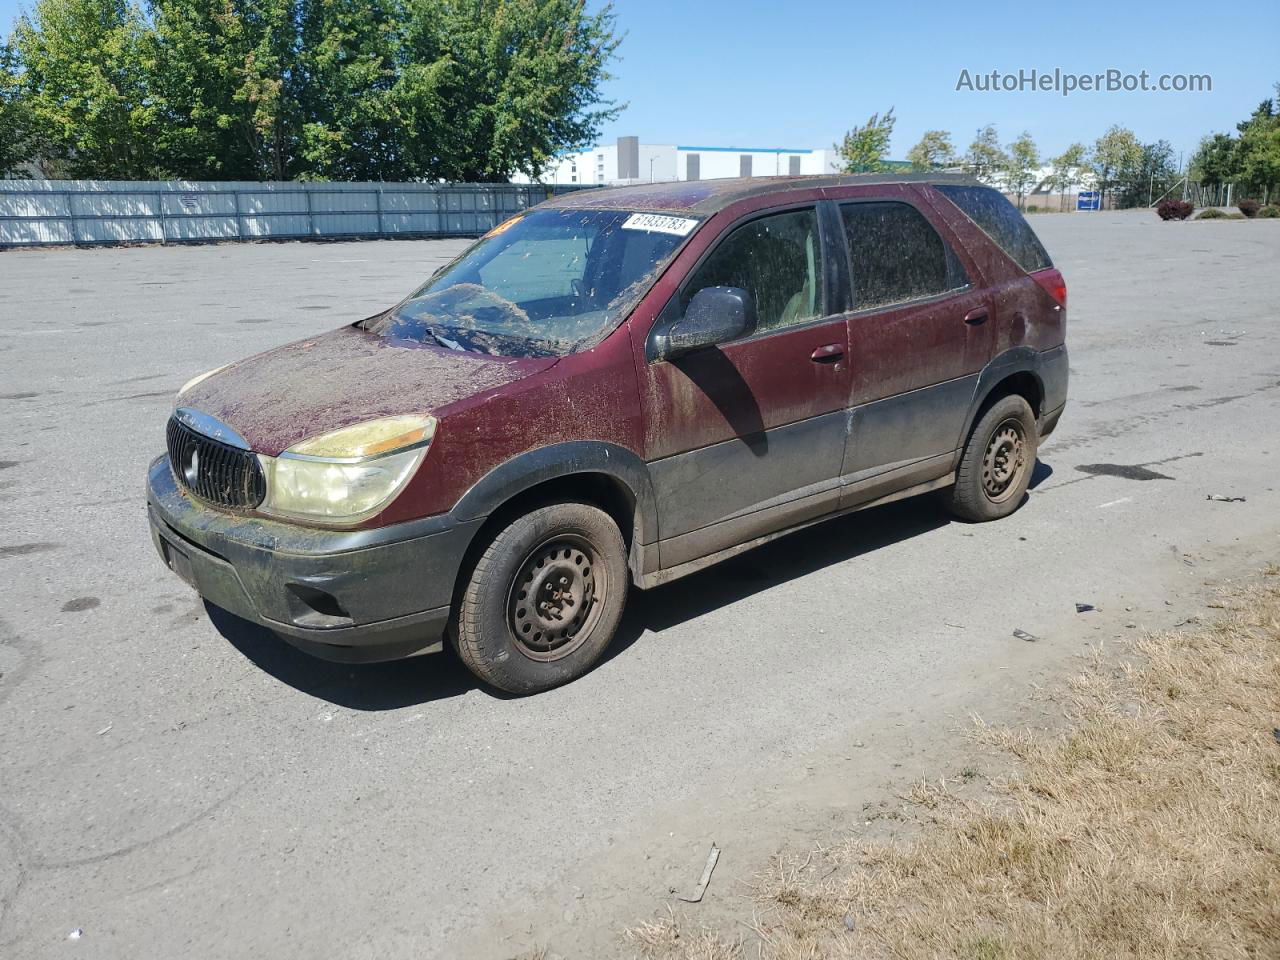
630, 161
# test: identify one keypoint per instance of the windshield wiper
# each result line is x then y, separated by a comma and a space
444, 341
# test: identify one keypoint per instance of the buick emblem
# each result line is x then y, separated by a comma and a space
191, 469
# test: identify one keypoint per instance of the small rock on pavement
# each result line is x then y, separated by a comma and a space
75, 934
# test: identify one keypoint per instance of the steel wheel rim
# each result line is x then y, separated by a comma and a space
1005, 460
556, 597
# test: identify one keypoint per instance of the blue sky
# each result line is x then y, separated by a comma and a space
799, 74
726, 73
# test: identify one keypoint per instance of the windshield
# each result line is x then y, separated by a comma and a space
544, 284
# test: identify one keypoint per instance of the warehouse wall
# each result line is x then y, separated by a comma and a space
659, 162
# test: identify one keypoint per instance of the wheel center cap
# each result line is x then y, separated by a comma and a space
556, 592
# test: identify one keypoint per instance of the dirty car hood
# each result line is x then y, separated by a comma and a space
340, 378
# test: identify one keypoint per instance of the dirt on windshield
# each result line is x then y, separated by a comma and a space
468, 316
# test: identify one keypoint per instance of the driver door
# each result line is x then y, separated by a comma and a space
747, 437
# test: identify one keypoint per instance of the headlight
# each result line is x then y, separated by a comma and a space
204, 376
347, 475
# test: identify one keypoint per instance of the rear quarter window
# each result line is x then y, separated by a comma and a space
1000, 220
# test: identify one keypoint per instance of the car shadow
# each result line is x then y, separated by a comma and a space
719, 381
403, 683
774, 564
1039, 474
361, 686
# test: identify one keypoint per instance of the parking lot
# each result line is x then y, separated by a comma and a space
174, 782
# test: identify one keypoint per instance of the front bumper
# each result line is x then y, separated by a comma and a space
349, 596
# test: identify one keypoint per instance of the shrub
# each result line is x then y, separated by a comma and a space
1248, 207
1269, 212
1211, 213
1174, 209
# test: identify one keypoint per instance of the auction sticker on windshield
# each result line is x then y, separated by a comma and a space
653, 222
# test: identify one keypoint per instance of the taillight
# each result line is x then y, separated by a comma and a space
1052, 283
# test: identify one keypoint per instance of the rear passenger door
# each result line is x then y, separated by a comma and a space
918, 336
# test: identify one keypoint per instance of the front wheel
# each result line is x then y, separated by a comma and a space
995, 467
544, 599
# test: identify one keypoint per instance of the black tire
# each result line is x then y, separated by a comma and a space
544, 599
995, 468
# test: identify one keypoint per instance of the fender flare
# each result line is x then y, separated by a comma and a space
527, 470
1014, 360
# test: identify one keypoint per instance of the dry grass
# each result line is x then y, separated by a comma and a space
1150, 828
666, 938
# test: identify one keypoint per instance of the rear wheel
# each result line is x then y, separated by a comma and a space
995, 467
544, 599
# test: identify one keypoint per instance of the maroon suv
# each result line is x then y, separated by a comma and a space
617, 387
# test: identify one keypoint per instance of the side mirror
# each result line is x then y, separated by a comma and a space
714, 315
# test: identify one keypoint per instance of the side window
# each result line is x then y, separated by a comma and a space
896, 255
1000, 220
777, 259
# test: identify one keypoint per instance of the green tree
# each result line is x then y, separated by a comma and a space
1068, 170
345, 89
1155, 173
1263, 113
85, 70
16, 133
933, 152
1251, 161
864, 148
1116, 158
984, 159
1021, 163
354, 127
492, 87
1260, 160
1258, 154
1215, 161
227, 83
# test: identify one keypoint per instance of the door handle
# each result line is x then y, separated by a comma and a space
831, 353
976, 316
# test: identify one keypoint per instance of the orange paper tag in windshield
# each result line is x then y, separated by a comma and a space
503, 227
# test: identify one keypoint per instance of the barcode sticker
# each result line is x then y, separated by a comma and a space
680, 226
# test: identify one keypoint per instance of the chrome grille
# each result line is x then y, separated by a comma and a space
214, 471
